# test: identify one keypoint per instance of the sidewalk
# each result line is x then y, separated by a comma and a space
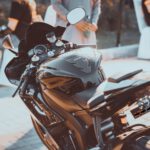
16, 131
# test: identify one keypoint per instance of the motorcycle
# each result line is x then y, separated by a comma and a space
72, 105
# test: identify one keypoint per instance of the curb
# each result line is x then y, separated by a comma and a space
119, 52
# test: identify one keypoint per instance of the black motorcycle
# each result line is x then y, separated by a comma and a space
72, 105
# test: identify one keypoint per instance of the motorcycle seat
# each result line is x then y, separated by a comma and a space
116, 78
111, 87
108, 88
104, 89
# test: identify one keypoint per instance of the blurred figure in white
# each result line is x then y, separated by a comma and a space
84, 31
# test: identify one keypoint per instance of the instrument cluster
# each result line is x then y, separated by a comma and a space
40, 49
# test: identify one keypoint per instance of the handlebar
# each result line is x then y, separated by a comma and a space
75, 46
57, 50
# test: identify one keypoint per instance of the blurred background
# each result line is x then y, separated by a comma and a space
117, 19
108, 24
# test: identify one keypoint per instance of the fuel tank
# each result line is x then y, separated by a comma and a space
78, 68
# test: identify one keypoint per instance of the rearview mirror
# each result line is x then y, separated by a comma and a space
7, 44
76, 15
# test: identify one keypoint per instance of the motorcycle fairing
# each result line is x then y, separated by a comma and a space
71, 122
90, 98
15, 68
36, 34
80, 101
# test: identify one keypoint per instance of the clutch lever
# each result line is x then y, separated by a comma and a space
19, 86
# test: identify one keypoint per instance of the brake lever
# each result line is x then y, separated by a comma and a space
20, 84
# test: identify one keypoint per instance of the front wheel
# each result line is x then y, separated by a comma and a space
64, 141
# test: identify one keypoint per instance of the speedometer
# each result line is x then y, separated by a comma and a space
40, 49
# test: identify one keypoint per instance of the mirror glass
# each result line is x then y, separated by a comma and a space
76, 15
7, 42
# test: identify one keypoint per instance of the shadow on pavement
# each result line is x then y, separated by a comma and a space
29, 141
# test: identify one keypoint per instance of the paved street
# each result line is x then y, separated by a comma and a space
16, 131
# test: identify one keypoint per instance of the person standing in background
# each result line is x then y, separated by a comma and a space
146, 10
22, 14
84, 31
